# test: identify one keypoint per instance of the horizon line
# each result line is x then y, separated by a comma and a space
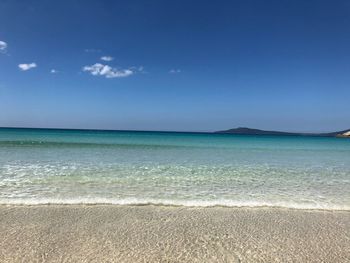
203, 132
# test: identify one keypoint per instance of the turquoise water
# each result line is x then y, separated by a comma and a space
71, 166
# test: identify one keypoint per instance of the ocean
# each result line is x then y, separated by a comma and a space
52, 166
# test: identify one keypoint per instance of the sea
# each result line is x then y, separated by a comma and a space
57, 166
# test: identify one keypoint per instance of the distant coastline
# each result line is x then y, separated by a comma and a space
249, 131
234, 131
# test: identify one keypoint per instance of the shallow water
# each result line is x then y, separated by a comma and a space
74, 166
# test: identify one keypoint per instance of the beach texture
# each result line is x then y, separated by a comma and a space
112, 233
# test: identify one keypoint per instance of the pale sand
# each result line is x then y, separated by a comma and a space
109, 233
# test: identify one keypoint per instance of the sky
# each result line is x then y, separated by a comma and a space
175, 65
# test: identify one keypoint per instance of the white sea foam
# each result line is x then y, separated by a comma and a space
186, 203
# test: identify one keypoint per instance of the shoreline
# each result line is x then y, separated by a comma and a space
171, 205
156, 233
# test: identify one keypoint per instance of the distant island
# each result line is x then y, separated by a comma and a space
249, 131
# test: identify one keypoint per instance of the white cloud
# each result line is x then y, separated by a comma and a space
99, 69
3, 46
29, 66
174, 71
53, 71
107, 58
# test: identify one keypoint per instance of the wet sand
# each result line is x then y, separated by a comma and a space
111, 233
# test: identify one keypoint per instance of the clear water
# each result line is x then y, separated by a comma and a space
67, 166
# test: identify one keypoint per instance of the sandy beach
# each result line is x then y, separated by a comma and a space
111, 233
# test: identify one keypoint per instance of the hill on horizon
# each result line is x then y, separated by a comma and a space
250, 131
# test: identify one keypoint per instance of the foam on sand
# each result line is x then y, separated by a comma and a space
184, 203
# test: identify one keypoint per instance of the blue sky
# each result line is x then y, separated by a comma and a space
175, 65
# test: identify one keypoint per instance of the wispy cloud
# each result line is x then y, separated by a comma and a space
139, 69
53, 71
99, 69
25, 67
175, 71
92, 50
3, 46
107, 58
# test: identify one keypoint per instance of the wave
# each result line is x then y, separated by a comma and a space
184, 203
